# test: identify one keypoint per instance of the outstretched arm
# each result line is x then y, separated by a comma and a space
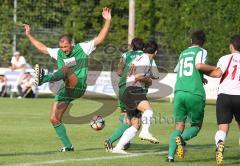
106, 13
205, 68
216, 73
209, 70
39, 45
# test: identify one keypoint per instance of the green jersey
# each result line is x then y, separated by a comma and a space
189, 79
77, 60
128, 57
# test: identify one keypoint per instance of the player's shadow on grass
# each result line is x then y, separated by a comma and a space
211, 158
28, 153
198, 146
147, 147
91, 149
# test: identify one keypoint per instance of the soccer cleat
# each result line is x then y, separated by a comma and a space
127, 146
179, 150
39, 73
65, 149
108, 146
219, 152
119, 151
170, 160
148, 137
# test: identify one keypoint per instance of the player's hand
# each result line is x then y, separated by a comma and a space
148, 82
106, 13
205, 81
27, 29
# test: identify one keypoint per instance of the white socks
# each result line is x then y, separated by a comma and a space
146, 120
220, 135
127, 136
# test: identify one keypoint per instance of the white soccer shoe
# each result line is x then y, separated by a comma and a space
148, 137
119, 151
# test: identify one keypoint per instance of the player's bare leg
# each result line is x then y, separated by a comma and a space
147, 114
175, 143
58, 109
64, 73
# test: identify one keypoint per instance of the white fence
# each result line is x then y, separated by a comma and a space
106, 83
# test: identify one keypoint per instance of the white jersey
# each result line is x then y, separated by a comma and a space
19, 62
140, 65
230, 80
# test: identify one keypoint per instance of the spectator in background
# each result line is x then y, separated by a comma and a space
3, 86
18, 62
25, 86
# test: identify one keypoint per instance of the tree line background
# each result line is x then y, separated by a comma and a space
169, 22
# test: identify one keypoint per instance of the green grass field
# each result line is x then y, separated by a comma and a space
27, 138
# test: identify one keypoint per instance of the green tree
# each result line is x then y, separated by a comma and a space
6, 29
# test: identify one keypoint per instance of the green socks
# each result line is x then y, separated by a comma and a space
190, 132
120, 130
61, 132
56, 76
172, 143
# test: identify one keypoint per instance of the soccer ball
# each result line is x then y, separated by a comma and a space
97, 123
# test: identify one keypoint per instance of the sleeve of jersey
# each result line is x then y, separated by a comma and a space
53, 52
201, 57
223, 63
88, 47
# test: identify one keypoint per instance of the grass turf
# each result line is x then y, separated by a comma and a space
27, 137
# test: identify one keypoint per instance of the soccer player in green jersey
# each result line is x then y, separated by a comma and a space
72, 62
189, 94
139, 111
137, 46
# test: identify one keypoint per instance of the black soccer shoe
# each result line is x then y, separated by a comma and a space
108, 146
38, 74
219, 152
65, 149
127, 146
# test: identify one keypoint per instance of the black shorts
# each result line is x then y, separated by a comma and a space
227, 107
133, 114
132, 96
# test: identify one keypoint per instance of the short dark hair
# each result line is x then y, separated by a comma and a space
137, 44
151, 47
235, 41
198, 37
65, 37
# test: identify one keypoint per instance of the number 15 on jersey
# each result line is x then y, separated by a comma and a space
186, 67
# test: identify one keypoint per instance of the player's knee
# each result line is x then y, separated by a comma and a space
54, 120
137, 126
180, 126
135, 122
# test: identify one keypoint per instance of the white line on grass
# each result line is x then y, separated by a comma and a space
92, 158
